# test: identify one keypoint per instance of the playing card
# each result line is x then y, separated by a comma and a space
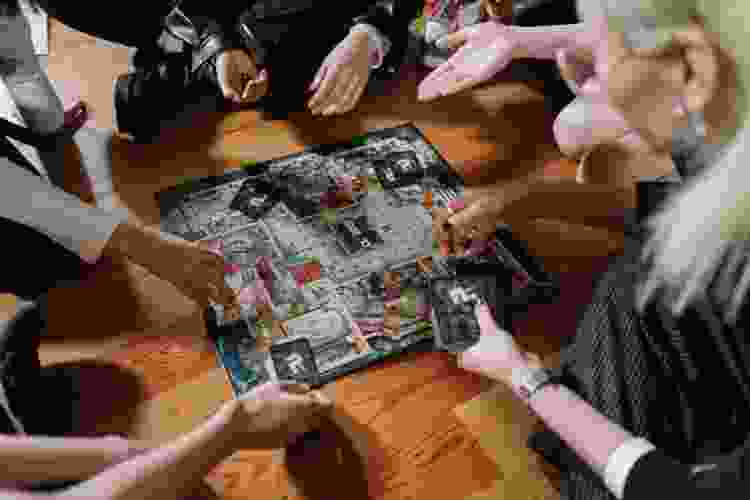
455, 325
356, 234
398, 169
246, 366
255, 198
295, 361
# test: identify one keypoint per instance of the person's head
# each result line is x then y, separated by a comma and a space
693, 52
666, 59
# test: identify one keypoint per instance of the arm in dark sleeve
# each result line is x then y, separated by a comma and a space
655, 473
208, 29
392, 19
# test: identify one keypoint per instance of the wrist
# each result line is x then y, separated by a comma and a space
133, 241
240, 415
377, 44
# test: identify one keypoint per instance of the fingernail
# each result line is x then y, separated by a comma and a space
263, 74
444, 249
456, 204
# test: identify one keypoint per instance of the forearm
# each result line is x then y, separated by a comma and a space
598, 205
543, 42
171, 471
592, 436
135, 241
29, 200
29, 460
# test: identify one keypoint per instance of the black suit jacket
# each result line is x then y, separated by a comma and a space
296, 35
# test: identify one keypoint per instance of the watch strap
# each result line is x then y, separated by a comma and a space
528, 381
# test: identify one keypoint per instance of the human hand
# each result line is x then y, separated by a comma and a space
239, 78
195, 268
484, 50
466, 225
496, 354
343, 76
274, 415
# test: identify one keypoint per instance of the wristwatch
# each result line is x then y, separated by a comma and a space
527, 381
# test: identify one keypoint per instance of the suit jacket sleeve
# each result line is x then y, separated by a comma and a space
655, 473
392, 19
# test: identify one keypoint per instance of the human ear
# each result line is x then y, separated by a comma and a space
701, 58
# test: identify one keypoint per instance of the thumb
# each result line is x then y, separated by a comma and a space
456, 39
294, 387
487, 323
318, 77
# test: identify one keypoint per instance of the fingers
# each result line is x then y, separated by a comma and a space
472, 223
339, 99
457, 226
450, 80
441, 230
346, 88
255, 89
234, 69
318, 78
326, 87
295, 387
487, 323
455, 77
576, 66
354, 94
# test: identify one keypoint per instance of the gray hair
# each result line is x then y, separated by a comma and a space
699, 244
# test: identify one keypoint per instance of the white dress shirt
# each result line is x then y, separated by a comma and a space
24, 197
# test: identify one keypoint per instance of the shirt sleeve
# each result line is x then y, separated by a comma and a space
621, 461
655, 473
29, 200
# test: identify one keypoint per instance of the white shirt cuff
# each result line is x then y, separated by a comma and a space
379, 43
621, 461
29, 200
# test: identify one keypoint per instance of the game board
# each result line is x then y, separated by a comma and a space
327, 284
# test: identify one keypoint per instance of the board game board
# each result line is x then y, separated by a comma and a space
328, 284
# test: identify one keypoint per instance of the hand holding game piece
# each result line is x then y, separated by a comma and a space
496, 354
193, 267
342, 77
275, 415
239, 78
475, 218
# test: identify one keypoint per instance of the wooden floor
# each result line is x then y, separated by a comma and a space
408, 429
